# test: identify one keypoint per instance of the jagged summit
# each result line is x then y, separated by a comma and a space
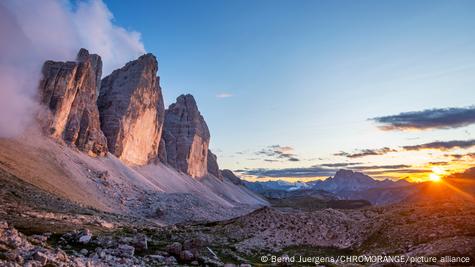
186, 137
129, 119
69, 91
132, 110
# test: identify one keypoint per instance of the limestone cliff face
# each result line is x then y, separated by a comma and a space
69, 91
125, 115
132, 111
186, 137
213, 167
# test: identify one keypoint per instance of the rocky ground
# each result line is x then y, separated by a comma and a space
37, 229
42, 229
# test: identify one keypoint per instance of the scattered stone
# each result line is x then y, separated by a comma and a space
126, 250
175, 248
85, 236
40, 257
140, 242
186, 255
170, 260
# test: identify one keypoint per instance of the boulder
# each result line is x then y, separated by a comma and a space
68, 90
186, 255
40, 257
126, 250
141, 242
175, 248
186, 137
132, 111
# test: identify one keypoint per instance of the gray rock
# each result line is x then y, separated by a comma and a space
40, 257
170, 260
175, 248
69, 91
140, 242
85, 236
186, 137
186, 255
126, 250
85, 239
213, 167
132, 111
158, 258
193, 244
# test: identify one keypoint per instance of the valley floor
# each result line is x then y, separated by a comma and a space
50, 218
38, 229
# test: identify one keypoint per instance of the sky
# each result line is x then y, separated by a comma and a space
295, 90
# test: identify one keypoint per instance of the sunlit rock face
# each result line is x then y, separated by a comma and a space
69, 92
186, 137
213, 167
132, 111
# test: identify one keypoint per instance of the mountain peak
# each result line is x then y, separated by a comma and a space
132, 110
186, 138
344, 174
69, 91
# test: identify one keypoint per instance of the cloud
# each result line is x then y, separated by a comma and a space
224, 95
278, 153
428, 119
366, 152
339, 164
375, 167
323, 171
408, 171
438, 145
439, 163
290, 172
458, 157
442, 145
35, 31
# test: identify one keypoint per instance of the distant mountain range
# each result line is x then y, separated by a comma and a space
344, 185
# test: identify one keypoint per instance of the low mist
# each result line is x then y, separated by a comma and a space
35, 31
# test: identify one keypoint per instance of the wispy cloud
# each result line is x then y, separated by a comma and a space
224, 95
323, 171
457, 157
437, 145
290, 172
340, 164
366, 152
442, 145
276, 153
376, 167
400, 171
428, 119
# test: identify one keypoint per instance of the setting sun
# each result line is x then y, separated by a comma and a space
434, 177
